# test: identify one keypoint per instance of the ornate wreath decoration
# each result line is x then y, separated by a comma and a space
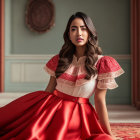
40, 15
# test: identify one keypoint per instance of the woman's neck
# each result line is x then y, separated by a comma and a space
80, 51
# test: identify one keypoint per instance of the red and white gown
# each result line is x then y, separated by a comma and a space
65, 114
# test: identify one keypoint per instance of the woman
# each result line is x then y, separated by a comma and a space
63, 110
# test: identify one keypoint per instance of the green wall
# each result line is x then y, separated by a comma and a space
111, 19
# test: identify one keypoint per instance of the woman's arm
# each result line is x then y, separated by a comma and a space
51, 85
100, 106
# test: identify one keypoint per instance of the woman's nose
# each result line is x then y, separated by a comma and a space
79, 32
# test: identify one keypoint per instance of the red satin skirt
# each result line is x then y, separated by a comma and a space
42, 115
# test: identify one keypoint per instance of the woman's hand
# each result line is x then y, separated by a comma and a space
114, 138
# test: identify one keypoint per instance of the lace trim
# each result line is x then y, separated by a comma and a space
110, 74
72, 78
49, 71
107, 84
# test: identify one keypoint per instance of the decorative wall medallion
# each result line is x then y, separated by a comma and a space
40, 15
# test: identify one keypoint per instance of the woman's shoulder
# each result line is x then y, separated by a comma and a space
108, 64
105, 57
53, 60
51, 65
54, 57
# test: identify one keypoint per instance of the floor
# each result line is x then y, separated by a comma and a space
117, 113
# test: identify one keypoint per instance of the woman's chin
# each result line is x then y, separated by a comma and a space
80, 45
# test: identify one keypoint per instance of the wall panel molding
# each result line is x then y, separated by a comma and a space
29, 57
27, 72
40, 57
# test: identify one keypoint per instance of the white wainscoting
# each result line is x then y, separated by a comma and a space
26, 72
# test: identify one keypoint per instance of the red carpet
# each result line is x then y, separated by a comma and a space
126, 131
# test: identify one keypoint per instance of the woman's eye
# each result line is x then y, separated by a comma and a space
73, 29
84, 28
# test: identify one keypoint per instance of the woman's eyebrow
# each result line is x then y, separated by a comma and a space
77, 26
83, 26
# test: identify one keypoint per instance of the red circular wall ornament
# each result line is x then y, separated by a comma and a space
40, 15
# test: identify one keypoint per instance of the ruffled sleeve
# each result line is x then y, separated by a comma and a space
108, 69
51, 65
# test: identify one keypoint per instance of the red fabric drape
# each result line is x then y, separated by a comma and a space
1, 45
135, 50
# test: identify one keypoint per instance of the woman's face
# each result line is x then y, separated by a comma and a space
78, 32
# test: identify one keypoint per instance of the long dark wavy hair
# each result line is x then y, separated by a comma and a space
68, 49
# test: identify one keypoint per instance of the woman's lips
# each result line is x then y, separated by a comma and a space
79, 39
